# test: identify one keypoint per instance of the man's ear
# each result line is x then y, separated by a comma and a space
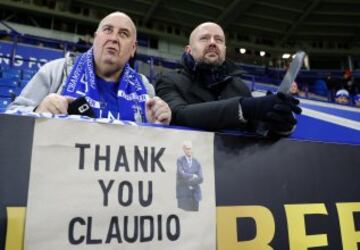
133, 49
95, 33
188, 49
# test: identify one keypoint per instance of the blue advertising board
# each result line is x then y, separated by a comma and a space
26, 56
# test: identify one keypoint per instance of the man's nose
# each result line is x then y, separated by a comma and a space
212, 40
114, 37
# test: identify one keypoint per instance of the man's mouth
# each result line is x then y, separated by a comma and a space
112, 50
212, 51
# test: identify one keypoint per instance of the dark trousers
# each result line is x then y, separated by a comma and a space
188, 204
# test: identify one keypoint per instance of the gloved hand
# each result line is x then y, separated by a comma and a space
275, 110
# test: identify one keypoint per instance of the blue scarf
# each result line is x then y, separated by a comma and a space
131, 93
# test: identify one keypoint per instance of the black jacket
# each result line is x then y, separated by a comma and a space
193, 104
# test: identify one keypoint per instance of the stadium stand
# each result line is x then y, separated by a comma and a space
14, 74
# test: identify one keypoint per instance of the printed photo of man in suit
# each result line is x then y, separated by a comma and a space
188, 179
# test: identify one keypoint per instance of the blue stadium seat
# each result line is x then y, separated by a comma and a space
4, 102
14, 71
5, 82
9, 92
3, 67
27, 74
27, 77
29, 71
22, 83
319, 87
11, 74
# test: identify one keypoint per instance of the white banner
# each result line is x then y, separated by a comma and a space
105, 186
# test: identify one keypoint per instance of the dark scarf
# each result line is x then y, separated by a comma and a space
212, 76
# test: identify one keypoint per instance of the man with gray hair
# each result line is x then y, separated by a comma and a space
208, 93
188, 179
101, 75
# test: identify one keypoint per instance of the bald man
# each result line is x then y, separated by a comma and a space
208, 93
101, 75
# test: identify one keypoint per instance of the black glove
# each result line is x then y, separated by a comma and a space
275, 110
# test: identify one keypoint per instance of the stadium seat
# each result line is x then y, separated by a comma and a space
12, 74
27, 74
29, 71
23, 82
319, 88
4, 102
5, 82
9, 92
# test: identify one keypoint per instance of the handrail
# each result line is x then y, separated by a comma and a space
9, 27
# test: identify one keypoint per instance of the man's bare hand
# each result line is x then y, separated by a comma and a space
158, 111
54, 104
